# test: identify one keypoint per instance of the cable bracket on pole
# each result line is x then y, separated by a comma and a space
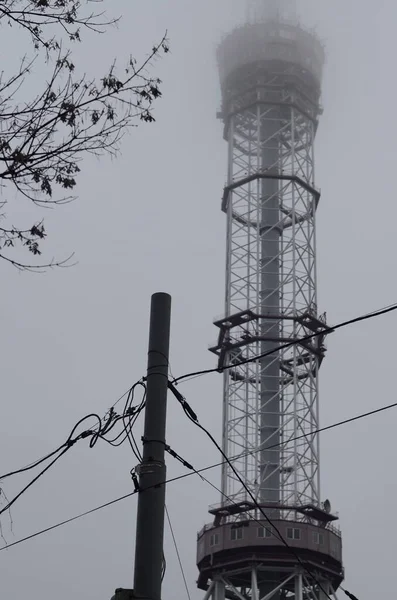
135, 480
171, 452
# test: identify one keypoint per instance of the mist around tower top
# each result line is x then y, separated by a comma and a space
272, 10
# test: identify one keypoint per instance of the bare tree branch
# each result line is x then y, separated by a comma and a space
44, 140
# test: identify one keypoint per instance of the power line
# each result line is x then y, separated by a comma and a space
193, 418
48, 456
75, 518
192, 415
99, 431
280, 537
349, 594
121, 397
128, 392
315, 432
11, 502
186, 475
326, 330
97, 508
164, 568
127, 428
258, 507
177, 552
32, 465
129, 419
102, 429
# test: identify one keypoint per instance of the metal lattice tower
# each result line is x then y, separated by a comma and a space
270, 72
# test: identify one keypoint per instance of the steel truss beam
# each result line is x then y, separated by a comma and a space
271, 143
270, 78
292, 586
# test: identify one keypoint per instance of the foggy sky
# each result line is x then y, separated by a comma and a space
73, 340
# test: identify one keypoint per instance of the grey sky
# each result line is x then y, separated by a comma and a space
73, 340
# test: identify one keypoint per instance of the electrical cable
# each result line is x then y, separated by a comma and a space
102, 506
11, 502
315, 432
272, 525
349, 594
48, 456
131, 440
163, 568
177, 552
2, 493
100, 433
123, 433
82, 421
121, 397
103, 427
32, 465
120, 434
361, 416
182, 477
326, 330
193, 418
132, 417
66, 521
203, 478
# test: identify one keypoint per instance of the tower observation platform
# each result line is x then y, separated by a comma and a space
272, 536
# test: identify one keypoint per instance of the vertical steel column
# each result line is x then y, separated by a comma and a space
226, 391
210, 592
270, 233
254, 584
219, 591
298, 587
326, 592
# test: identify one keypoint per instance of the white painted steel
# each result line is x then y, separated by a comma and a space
292, 168
297, 586
270, 72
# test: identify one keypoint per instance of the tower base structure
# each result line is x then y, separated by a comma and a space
248, 560
294, 586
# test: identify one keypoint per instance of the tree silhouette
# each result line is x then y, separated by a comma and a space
44, 138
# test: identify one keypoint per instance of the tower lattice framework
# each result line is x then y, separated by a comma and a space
271, 201
272, 336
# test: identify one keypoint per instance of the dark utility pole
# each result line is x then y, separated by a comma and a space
152, 470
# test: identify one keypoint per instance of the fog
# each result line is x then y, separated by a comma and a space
73, 340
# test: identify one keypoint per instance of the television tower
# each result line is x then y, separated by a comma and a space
270, 73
